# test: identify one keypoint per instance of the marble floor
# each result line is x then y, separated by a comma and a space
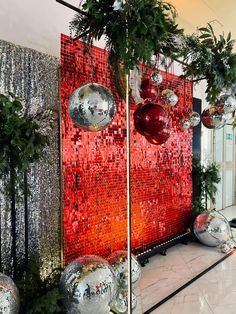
215, 292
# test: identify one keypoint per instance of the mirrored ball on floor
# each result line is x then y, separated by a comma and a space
211, 228
120, 303
9, 296
88, 285
92, 107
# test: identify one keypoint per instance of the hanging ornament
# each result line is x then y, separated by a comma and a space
120, 304
159, 138
118, 5
92, 107
212, 118
150, 119
148, 90
186, 124
169, 97
119, 261
194, 118
228, 103
88, 285
135, 85
9, 296
156, 77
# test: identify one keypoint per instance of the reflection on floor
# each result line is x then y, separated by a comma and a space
213, 293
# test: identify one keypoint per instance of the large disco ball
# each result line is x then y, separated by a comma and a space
92, 107
228, 103
150, 119
211, 228
169, 96
159, 138
120, 303
212, 118
88, 285
9, 296
119, 262
148, 90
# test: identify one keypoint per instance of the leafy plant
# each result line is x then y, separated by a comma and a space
205, 179
39, 296
21, 142
210, 58
133, 32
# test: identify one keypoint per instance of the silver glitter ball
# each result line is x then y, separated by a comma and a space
169, 97
194, 118
92, 107
211, 228
9, 296
212, 118
225, 247
156, 77
186, 124
88, 285
228, 103
120, 303
119, 262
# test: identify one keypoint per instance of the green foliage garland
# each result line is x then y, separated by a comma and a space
211, 58
133, 33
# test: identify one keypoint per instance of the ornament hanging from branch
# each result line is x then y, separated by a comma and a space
92, 107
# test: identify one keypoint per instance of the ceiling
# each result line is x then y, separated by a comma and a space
196, 13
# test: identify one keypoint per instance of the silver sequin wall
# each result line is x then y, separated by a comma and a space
33, 76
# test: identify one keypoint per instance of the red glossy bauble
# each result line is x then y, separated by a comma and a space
160, 138
150, 119
148, 90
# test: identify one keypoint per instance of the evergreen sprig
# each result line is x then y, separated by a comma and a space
133, 33
211, 58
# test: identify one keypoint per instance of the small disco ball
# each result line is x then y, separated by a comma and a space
119, 261
211, 228
9, 296
156, 77
225, 247
92, 107
186, 124
88, 285
212, 118
120, 303
194, 118
228, 103
170, 97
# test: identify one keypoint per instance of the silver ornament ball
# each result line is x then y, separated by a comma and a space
186, 124
169, 97
194, 118
9, 296
119, 262
88, 285
211, 228
120, 303
92, 107
228, 103
156, 77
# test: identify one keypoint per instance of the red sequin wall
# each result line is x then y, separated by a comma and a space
94, 168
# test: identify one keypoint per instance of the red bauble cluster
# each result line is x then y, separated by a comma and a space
150, 120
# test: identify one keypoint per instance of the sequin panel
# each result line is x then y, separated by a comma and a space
94, 167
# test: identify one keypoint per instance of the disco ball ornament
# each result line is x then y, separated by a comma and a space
212, 118
160, 138
88, 285
119, 261
225, 247
156, 77
92, 107
194, 118
150, 119
120, 303
170, 97
186, 124
9, 296
148, 90
211, 228
228, 103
